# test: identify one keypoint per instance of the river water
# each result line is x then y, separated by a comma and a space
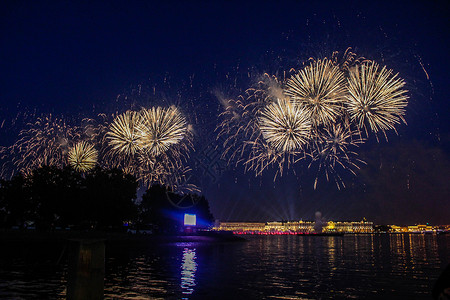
372, 266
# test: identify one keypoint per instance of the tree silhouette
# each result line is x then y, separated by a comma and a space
101, 199
52, 197
56, 193
158, 209
109, 199
16, 205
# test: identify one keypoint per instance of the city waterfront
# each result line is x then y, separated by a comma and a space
321, 226
361, 266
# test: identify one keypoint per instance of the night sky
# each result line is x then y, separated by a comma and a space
82, 58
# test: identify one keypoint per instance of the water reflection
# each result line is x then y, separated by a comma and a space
377, 266
188, 269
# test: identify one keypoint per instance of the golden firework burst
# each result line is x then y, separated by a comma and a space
44, 143
123, 135
285, 126
82, 157
160, 129
320, 89
375, 97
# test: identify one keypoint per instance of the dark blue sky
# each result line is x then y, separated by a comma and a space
80, 58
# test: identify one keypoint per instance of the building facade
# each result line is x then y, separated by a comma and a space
294, 227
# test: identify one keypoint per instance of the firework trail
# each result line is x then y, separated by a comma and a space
347, 60
166, 170
263, 129
45, 142
95, 132
244, 141
82, 157
332, 150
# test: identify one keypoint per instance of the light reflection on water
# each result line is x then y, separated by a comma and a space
371, 266
188, 268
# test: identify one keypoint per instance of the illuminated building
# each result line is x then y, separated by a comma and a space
306, 227
294, 227
349, 227
241, 227
300, 226
395, 228
274, 227
420, 228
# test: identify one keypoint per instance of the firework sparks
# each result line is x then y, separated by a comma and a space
95, 131
123, 136
262, 155
375, 97
153, 145
150, 144
309, 119
239, 127
346, 60
320, 89
261, 130
319, 113
285, 126
45, 142
332, 150
161, 128
82, 157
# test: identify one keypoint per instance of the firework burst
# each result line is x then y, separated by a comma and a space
319, 113
320, 89
375, 97
260, 130
82, 157
45, 142
285, 126
151, 144
160, 129
123, 136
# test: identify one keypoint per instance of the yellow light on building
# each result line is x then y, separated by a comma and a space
331, 226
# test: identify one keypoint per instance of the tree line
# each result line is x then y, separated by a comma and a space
102, 199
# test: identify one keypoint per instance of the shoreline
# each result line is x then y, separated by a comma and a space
20, 236
24, 236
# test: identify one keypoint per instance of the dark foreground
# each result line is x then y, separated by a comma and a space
373, 266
